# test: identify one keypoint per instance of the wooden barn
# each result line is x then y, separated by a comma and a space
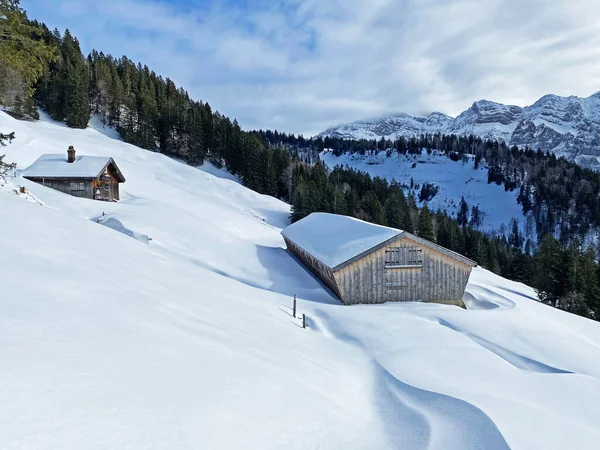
366, 263
93, 177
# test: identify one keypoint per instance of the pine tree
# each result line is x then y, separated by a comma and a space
463, 213
476, 217
515, 239
4, 138
300, 201
426, 225
23, 57
268, 177
548, 267
395, 208
590, 282
373, 211
75, 84
443, 237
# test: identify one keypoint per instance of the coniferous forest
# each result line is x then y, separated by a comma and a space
45, 68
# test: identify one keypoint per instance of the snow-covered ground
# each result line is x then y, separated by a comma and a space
166, 323
455, 179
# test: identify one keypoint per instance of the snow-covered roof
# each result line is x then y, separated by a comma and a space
335, 239
56, 166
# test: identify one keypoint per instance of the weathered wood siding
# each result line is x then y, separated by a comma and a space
77, 188
109, 188
386, 275
322, 271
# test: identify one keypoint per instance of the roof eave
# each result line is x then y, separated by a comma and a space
441, 249
121, 178
54, 177
299, 246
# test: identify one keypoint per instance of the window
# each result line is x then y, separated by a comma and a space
403, 258
77, 186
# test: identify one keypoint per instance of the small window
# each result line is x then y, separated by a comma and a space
77, 186
403, 258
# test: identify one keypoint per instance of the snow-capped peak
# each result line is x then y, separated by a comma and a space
567, 126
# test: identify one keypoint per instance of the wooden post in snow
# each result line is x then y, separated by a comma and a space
303, 320
294, 306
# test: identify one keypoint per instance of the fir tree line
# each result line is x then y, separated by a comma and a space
558, 196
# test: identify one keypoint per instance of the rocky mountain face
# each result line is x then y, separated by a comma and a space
567, 126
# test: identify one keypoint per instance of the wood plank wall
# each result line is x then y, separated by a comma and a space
65, 186
441, 278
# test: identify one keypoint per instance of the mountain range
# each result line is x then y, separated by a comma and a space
566, 126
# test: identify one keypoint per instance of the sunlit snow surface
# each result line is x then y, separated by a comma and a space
334, 239
166, 323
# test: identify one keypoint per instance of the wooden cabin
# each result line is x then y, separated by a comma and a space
93, 177
366, 263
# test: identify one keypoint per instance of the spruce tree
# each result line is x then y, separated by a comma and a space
372, 208
548, 268
476, 217
426, 225
4, 138
463, 213
395, 208
75, 84
299, 200
23, 57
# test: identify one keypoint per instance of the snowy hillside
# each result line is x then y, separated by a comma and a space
454, 179
166, 323
567, 126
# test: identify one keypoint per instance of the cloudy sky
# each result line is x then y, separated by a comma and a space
303, 65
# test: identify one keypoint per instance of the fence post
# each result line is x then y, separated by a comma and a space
303, 320
294, 306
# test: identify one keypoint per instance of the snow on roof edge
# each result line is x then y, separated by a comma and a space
57, 166
334, 239
335, 252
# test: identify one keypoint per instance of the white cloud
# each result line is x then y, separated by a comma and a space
302, 65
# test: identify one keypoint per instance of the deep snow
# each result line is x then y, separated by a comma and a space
112, 340
57, 165
335, 239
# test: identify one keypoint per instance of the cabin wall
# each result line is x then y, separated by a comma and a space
404, 270
109, 190
319, 269
76, 188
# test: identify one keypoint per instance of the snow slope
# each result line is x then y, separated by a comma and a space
454, 179
567, 126
112, 340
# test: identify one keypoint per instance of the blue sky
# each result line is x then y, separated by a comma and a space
303, 65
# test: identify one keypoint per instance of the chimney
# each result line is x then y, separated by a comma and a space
71, 154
